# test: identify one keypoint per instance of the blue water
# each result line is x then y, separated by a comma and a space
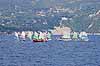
52, 53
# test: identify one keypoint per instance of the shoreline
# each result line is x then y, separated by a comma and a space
98, 33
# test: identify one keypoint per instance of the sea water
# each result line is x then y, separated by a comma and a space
51, 53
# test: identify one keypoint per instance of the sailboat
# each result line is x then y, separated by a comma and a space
39, 37
23, 36
83, 36
66, 37
49, 36
75, 36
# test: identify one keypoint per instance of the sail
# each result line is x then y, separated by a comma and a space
83, 36
75, 35
41, 35
49, 35
66, 36
35, 36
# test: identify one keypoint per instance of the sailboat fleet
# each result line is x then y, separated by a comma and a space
34, 36
82, 36
39, 36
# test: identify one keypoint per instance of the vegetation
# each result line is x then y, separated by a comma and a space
46, 14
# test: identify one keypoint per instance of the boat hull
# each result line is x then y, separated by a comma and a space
34, 40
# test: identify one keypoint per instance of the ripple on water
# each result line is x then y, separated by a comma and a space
53, 53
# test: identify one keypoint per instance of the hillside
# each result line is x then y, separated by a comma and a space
46, 14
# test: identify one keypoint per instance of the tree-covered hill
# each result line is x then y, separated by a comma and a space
45, 14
